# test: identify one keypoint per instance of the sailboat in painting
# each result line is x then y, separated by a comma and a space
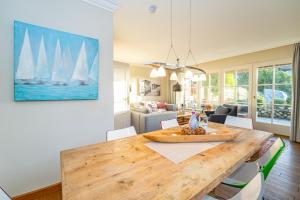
81, 70
25, 70
59, 71
67, 62
93, 75
42, 72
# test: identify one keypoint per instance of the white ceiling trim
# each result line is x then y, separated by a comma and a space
109, 5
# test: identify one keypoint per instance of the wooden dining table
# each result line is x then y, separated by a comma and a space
126, 169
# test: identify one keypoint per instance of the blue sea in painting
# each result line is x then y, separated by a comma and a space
54, 65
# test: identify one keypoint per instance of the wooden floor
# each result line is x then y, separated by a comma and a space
283, 182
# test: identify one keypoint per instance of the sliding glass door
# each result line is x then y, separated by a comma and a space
273, 96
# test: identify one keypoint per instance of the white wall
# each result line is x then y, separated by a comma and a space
32, 134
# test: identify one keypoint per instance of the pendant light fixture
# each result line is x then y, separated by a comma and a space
173, 76
159, 68
188, 73
161, 72
154, 73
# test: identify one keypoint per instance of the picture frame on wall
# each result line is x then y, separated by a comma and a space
149, 88
54, 65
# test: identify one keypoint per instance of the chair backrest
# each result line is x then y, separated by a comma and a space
239, 122
169, 123
4, 195
268, 160
120, 133
253, 190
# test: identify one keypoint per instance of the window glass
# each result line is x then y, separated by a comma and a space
283, 74
265, 75
230, 78
242, 78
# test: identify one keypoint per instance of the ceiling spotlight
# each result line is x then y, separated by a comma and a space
152, 9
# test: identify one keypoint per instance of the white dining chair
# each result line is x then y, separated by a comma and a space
240, 122
252, 191
120, 133
248, 170
4, 195
169, 123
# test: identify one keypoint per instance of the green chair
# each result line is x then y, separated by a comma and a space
252, 191
249, 170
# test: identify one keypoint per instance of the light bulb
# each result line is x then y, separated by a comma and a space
202, 77
154, 73
173, 76
196, 78
188, 74
161, 71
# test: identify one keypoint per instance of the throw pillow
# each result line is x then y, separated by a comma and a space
161, 105
221, 110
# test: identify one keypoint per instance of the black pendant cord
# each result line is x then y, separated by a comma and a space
171, 32
190, 53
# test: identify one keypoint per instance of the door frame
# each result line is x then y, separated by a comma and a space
274, 128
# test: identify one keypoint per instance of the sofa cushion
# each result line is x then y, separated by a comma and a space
171, 107
221, 110
139, 108
233, 109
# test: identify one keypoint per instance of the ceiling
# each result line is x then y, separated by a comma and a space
219, 28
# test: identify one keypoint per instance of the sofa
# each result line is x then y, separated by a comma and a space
221, 112
150, 121
145, 121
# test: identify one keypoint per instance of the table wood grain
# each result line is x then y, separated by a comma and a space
127, 170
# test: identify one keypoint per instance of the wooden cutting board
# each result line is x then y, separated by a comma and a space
176, 136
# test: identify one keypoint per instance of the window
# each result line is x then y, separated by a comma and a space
191, 93
196, 93
120, 89
236, 89
274, 94
210, 89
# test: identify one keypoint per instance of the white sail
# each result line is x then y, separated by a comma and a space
58, 72
67, 62
42, 69
94, 69
81, 70
25, 70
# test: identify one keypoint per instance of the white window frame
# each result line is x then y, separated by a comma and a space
247, 67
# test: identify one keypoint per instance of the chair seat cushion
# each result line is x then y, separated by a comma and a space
264, 148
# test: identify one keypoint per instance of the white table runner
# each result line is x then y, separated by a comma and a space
178, 152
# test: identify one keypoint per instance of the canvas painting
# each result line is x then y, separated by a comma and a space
54, 65
149, 88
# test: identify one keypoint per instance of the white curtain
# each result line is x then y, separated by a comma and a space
295, 132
